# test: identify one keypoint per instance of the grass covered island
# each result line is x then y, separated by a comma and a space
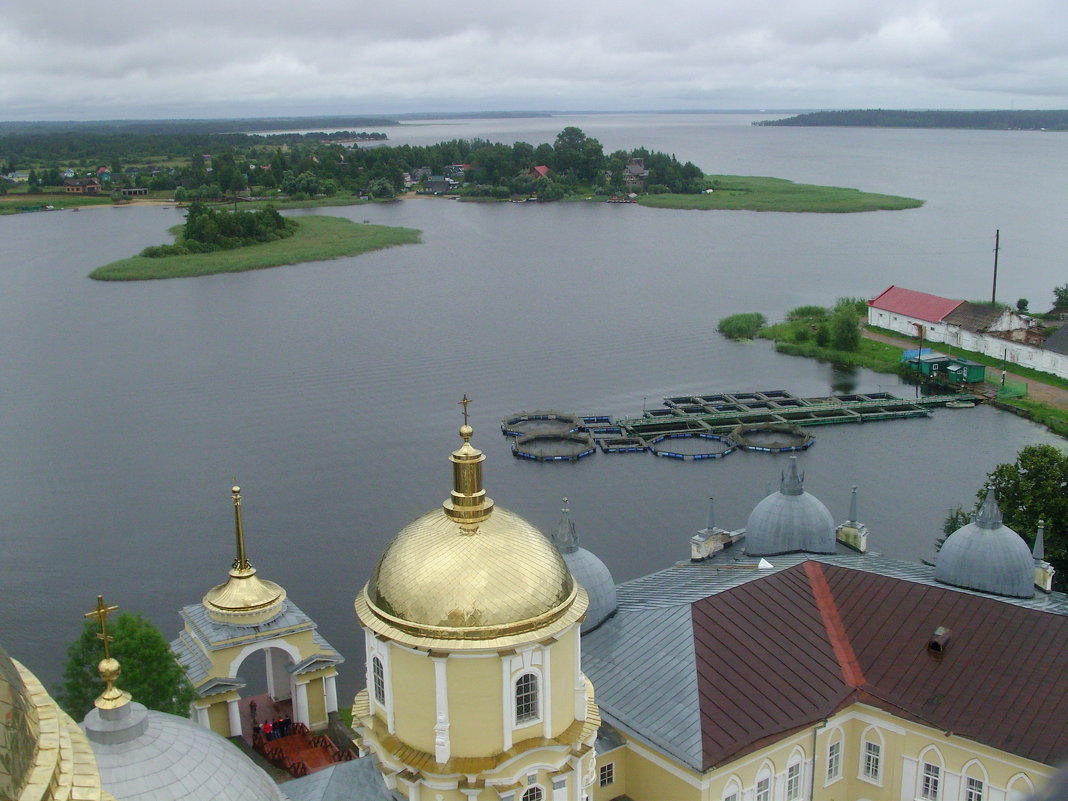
751, 193
299, 240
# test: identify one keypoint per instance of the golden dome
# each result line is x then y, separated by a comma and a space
244, 599
469, 571
19, 728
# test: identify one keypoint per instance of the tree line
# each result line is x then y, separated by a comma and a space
1024, 120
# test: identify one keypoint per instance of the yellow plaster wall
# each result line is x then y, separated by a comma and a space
316, 703
563, 678
475, 716
411, 676
618, 757
219, 718
647, 781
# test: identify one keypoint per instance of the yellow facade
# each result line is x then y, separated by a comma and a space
475, 689
904, 750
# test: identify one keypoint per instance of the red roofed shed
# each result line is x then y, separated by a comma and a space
910, 303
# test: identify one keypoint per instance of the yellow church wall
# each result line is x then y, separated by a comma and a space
411, 675
219, 718
316, 703
617, 758
646, 780
475, 716
562, 667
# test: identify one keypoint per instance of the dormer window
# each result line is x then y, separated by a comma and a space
378, 677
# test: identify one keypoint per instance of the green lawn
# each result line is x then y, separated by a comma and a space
316, 239
10, 203
776, 194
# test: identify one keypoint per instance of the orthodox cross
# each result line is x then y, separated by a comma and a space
101, 614
464, 403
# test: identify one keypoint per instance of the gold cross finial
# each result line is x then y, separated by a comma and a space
101, 614
464, 403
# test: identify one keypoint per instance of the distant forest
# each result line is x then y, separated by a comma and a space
889, 118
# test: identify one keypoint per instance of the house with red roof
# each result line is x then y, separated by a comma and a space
539, 171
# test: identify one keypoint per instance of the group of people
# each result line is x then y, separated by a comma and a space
272, 729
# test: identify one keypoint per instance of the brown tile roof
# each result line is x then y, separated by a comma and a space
787, 650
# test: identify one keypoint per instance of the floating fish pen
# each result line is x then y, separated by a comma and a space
768, 421
547, 423
724, 446
771, 438
621, 444
567, 447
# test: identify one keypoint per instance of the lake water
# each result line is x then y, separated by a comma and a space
329, 390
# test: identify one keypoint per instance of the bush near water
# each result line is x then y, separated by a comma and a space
206, 231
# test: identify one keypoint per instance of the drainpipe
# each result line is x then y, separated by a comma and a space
812, 772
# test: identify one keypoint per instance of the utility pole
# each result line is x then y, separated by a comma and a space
994, 289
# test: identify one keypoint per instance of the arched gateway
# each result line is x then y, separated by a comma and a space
248, 617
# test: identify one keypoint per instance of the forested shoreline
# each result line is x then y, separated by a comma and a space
993, 120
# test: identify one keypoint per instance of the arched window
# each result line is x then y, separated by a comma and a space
526, 704
930, 778
794, 769
533, 793
378, 675
733, 791
975, 782
763, 783
834, 757
871, 756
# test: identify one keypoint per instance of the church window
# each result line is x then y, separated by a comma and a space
871, 760
834, 761
378, 675
974, 790
763, 790
533, 794
607, 774
526, 700
731, 797
793, 782
929, 782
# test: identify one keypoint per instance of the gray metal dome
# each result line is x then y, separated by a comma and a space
152, 756
588, 570
988, 556
790, 520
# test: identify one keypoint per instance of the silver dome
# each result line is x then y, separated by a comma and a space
145, 755
790, 520
588, 570
988, 556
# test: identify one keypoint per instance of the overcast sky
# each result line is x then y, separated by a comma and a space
93, 59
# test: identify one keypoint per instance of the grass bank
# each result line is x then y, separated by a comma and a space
316, 239
752, 193
12, 203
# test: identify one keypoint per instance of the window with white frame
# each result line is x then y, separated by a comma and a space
732, 796
533, 794
378, 675
733, 791
793, 782
763, 790
930, 781
607, 774
526, 699
974, 790
872, 752
834, 761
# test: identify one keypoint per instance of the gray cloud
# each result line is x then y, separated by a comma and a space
115, 58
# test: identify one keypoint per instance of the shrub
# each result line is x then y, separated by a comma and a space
807, 313
845, 334
802, 335
823, 335
741, 326
858, 307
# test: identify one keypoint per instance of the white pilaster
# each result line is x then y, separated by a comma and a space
269, 667
300, 703
235, 717
442, 742
507, 702
203, 718
330, 693
580, 680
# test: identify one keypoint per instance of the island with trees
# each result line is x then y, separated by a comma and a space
219, 241
84, 166
1003, 120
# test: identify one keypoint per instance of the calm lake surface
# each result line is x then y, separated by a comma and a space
329, 390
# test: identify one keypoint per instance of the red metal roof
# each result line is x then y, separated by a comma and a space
910, 303
788, 650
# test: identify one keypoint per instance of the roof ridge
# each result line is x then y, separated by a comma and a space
832, 621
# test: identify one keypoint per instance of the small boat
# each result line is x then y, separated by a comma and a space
960, 404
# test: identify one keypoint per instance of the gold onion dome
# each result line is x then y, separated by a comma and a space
244, 598
469, 571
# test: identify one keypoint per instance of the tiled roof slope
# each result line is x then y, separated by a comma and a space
786, 651
1057, 341
910, 303
711, 661
974, 316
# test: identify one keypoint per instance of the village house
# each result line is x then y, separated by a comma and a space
81, 186
993, 331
